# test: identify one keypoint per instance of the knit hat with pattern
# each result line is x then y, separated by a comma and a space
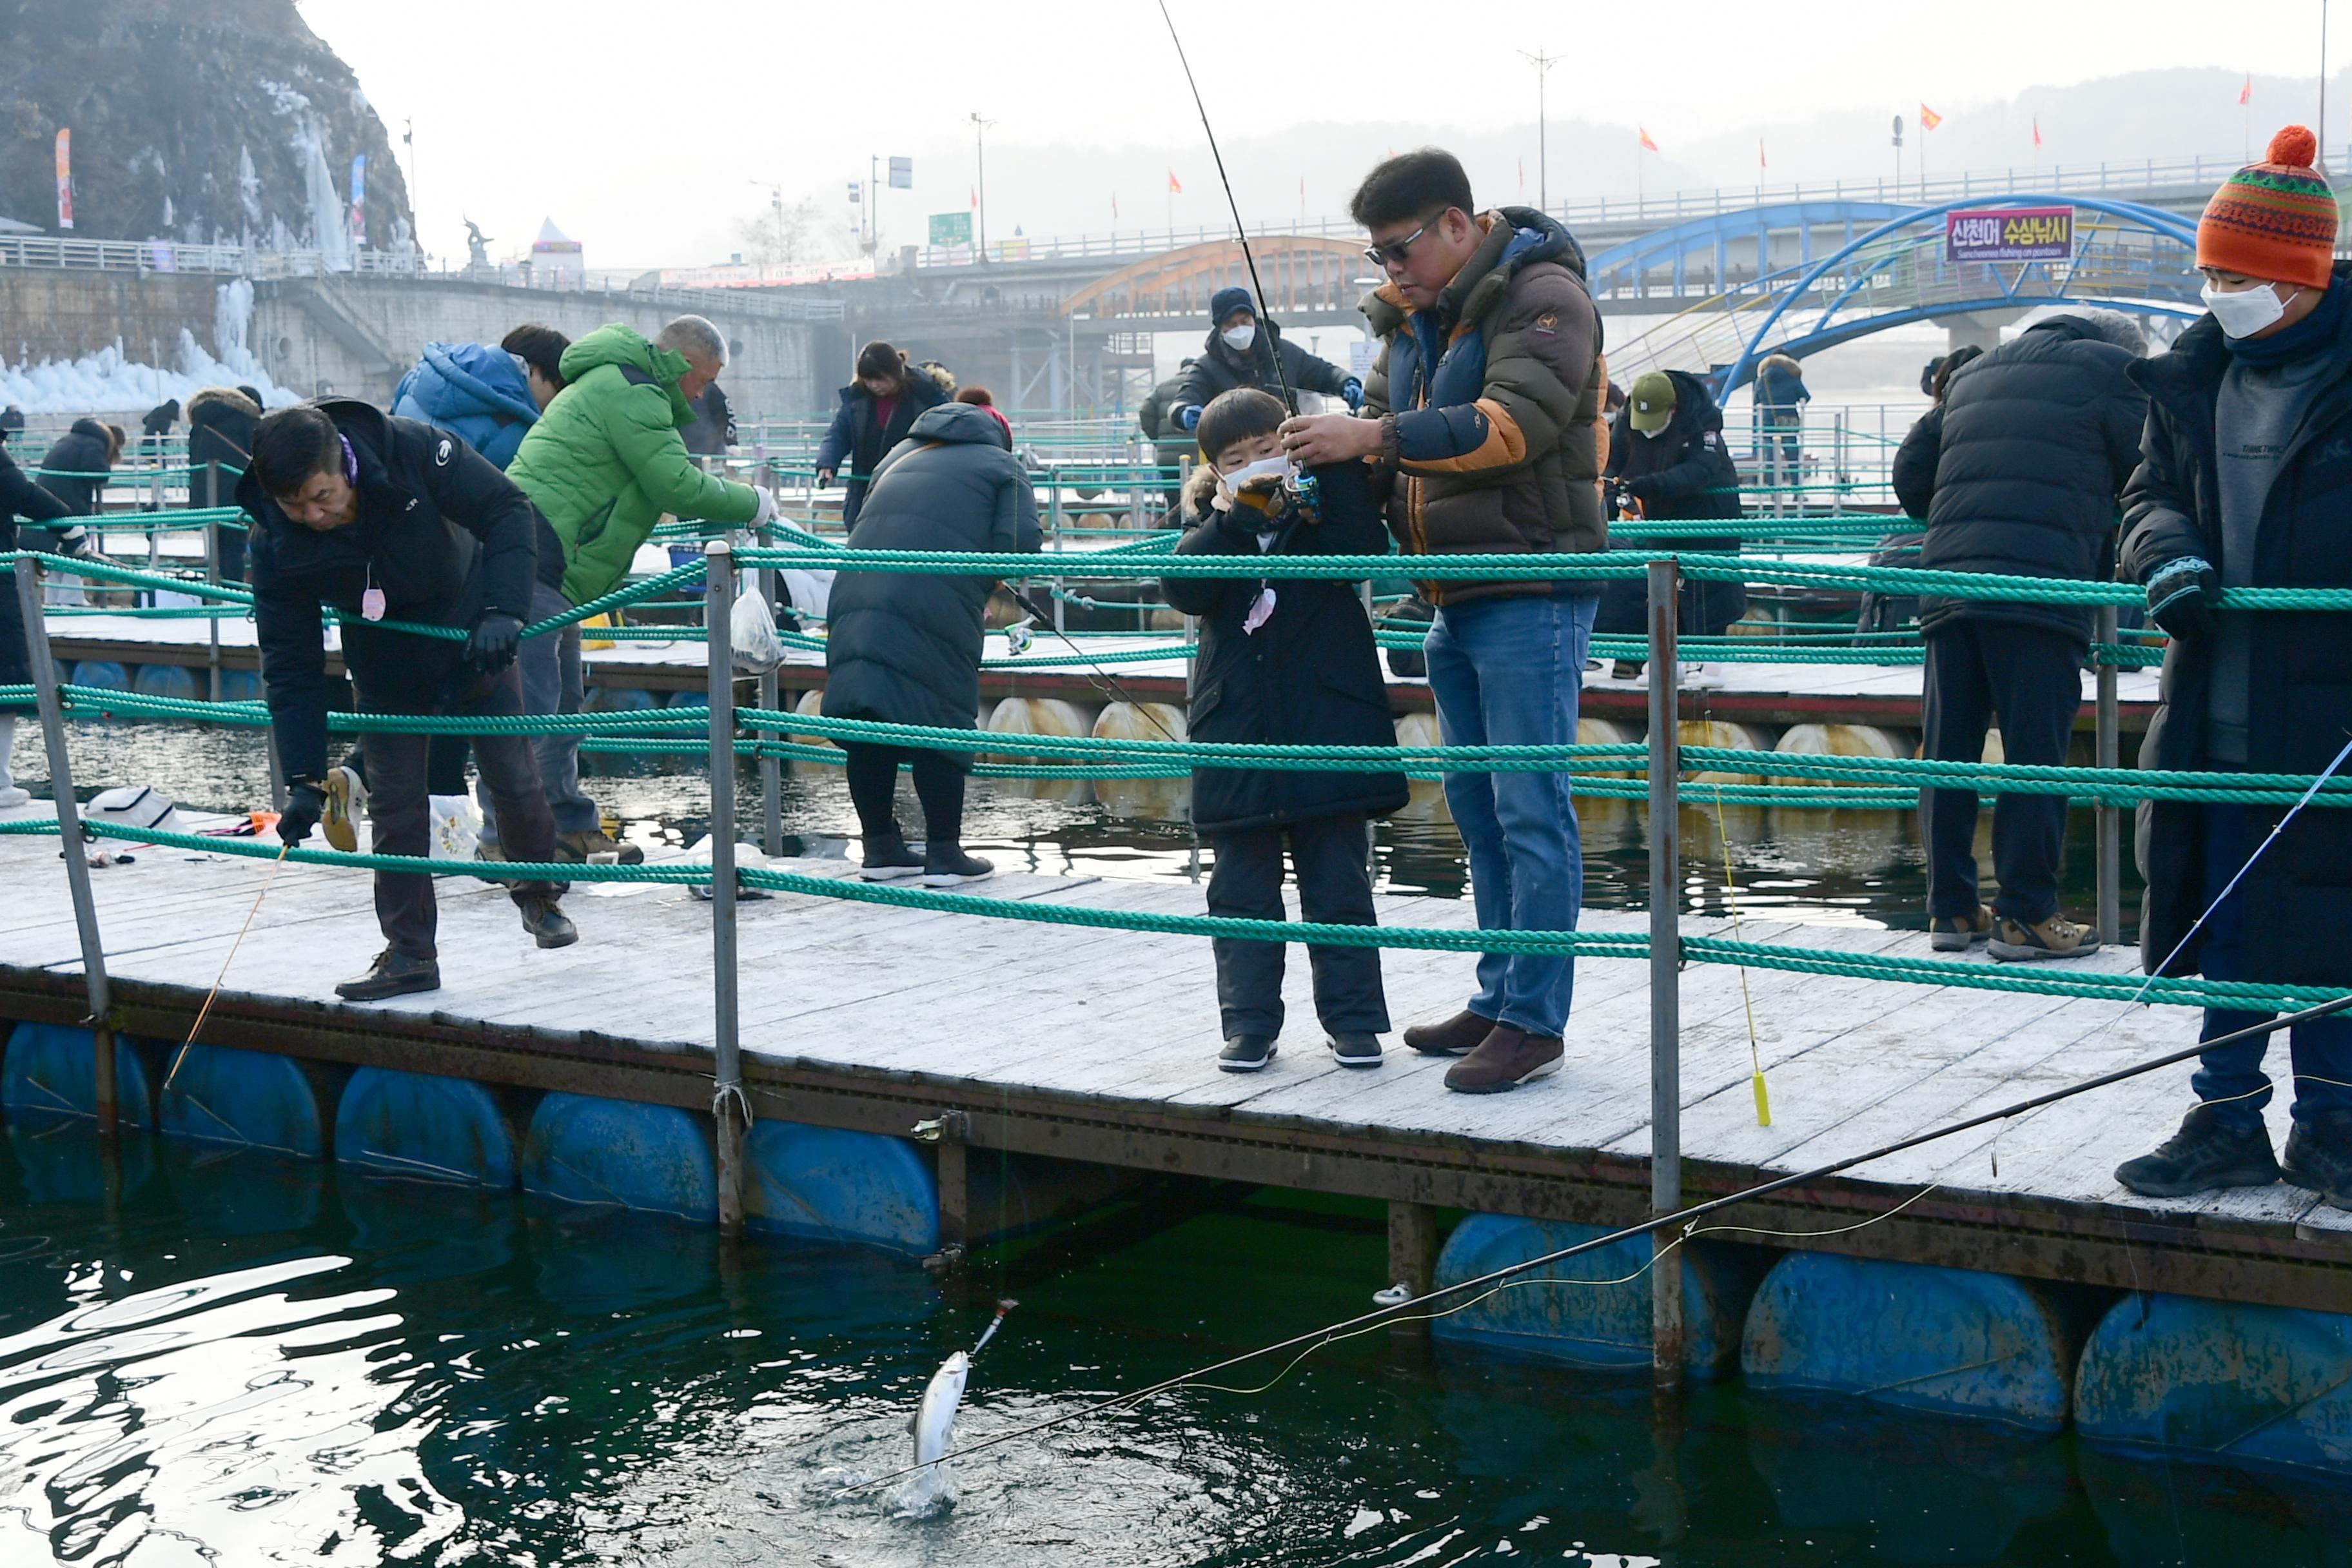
2275, 220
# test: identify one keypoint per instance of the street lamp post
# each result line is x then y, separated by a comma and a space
1543, 63
980, 158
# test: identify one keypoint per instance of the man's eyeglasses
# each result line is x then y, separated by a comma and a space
1389, 255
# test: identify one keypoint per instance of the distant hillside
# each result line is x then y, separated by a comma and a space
219, 120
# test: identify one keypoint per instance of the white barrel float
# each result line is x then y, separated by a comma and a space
811, 703
1425, 798
253, 1100
1159, 800
1838, 741
1951, 1341
1590, 1324
1729, 736
50, 1069
2266, 1387
655, 1159
423, 1127
1042, 716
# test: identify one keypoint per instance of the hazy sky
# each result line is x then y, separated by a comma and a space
647, 129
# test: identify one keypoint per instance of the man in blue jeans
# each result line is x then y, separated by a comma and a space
1480, 417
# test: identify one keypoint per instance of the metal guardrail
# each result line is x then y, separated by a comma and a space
1668, 206
168, 256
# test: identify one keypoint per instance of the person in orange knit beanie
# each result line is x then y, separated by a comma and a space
2245, 481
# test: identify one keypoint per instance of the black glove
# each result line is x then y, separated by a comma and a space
2181, 595
497, 637
75, 544
306, 801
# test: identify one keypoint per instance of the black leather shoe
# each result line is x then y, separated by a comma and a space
547, 924
1245, 1053
392, 974
2202, 1157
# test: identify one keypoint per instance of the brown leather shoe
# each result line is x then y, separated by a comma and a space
1457, 1036
1507, 1058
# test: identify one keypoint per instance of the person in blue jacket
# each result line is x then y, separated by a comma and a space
488, 395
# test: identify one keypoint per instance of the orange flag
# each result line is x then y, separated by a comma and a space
1647, 145
2037, 131
1174, 189
1928, 118
2246, 93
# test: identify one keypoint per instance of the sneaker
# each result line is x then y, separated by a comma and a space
1626, 669
1957, 933
1351, 1048
1244, 1053
1507, 1058
946, 866
11, 797
2202, 1157
888, 859
583, 848
345, 794
548, 925
392, 974
2320, 1156
2056, 937
1457, 1036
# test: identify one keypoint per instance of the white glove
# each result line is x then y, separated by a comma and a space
767, 512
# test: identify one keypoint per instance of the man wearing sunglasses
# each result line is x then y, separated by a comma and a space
1480, 417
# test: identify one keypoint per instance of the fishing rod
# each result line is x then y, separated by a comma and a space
1273, 333
1398, 1312
1102, 679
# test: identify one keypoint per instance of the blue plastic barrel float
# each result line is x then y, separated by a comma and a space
2268, 1387
166, 680
102, 674
50, 1069
654, 1159
250, 1100
1598, 1315
240, 686
1952, 1341
423, 1127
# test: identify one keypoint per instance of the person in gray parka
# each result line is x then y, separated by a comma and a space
905, 648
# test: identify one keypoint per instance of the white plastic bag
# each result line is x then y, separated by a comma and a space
456, 826
752, 634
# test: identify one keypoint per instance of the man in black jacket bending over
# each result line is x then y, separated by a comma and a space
392, 519
2029, 451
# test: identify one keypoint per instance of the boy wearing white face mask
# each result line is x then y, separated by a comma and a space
1285, 661
2246, 482
1241, 352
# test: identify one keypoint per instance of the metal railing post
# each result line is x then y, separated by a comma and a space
212, 575
728, 1108
45, 694
1665, 955
2110, 818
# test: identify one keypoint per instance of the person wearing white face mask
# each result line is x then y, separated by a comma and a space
1240, 352
2246, 482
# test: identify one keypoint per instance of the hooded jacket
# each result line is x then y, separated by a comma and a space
2301, 702
1781, 388
473, 390
75, 467
220, 430
713, 427
856, 440
2031, 449
1683, 471
606, 461
905, 648
1220, 368
19, 496
1309, 675
440, 531
1488, 402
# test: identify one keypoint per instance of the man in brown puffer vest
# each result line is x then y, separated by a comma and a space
1479, 416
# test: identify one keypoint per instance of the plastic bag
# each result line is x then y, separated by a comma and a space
752, 634
456, 826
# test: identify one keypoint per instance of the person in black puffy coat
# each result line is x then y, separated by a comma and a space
1667, 457
904, 648
2030, 448
75, 467
1288, 662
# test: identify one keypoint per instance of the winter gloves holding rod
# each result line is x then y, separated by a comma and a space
2182, 595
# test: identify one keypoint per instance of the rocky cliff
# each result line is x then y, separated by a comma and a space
199, 121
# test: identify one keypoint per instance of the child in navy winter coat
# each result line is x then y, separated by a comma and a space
1285, 661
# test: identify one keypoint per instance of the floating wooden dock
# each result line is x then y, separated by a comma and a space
1759, 693
1098, 1045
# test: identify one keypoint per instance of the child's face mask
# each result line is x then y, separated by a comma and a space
1254, 484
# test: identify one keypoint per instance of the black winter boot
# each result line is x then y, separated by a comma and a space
945, 865
888, 858
2202, 1157
2320, 1156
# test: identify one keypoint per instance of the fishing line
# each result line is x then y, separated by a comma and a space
276, 865
1101, 679
1731, 896
1683, 1217
1273, 333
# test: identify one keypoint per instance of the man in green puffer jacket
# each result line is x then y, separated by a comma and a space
603, 464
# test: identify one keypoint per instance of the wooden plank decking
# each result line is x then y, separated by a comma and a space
1099, 1045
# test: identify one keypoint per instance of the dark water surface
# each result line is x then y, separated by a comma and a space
241, 1361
